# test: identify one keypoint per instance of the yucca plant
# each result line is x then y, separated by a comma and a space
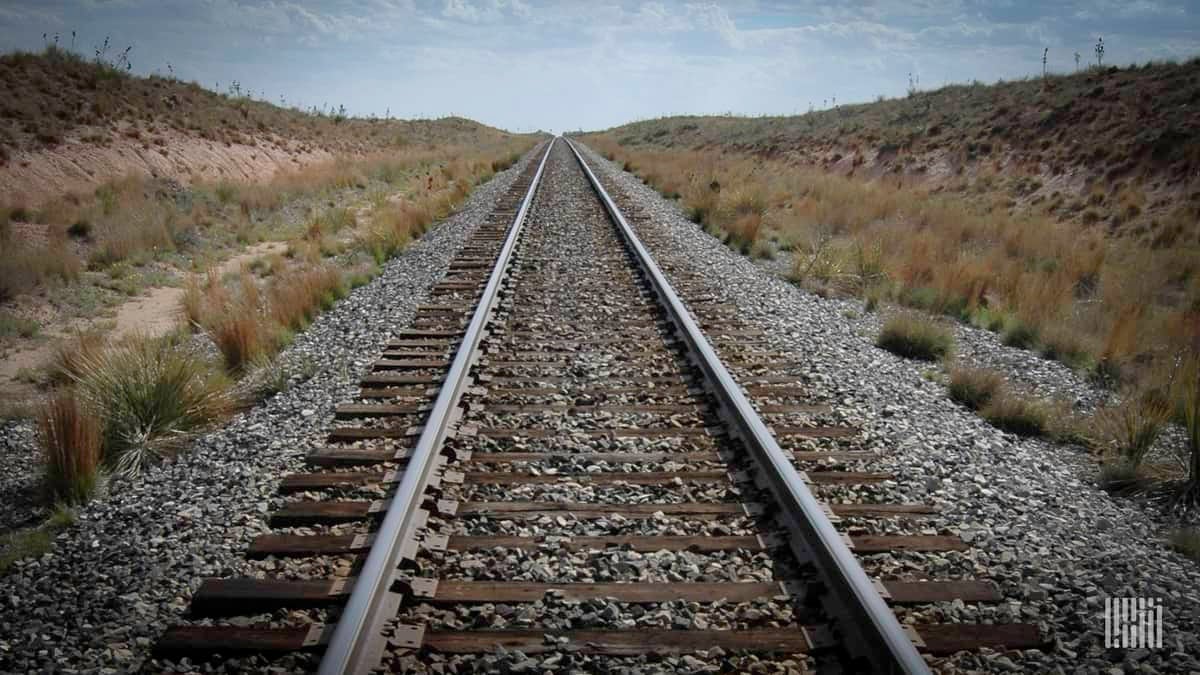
148, 393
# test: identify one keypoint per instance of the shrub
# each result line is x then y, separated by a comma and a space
975, 387
70, 436
743, 232
22, 269
148, 393
1017, 414
915, 338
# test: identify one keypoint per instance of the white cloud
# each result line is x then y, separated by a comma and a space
712, 17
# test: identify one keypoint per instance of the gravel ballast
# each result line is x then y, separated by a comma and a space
1055, 543
116, 580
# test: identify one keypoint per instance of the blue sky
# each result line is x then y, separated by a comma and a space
527, 64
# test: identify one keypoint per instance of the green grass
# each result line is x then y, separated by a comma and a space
913, 337
33, 542
24, 544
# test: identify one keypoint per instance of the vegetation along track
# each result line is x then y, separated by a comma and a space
554, 461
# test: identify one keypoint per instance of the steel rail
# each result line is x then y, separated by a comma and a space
357, 643
869, 628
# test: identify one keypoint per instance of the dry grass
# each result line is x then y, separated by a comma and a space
294, 298
241, 336
71, 356
1127, 134
974, 387
23, 268
1018, 414
139, 219
70, 437
1128, 430
1090, 300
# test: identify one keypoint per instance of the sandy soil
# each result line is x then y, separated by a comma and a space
154, 313
76, 165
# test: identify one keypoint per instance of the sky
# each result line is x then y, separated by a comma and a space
525, 65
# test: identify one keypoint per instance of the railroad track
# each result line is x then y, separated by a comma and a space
563, 458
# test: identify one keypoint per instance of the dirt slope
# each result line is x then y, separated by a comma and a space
1113, 147
69, 124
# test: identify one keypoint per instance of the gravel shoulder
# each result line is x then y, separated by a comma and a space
116, 580
1055, 543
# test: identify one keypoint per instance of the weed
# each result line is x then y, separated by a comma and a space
1121, 477
1063, 344
912, 337
70, 437
192, 303
974, 387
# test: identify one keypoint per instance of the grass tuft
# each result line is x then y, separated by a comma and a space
240, 334
70, 437
149, 394
913, 337
1129, 430
70, 356
294, 299
1017, 414
975, 387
